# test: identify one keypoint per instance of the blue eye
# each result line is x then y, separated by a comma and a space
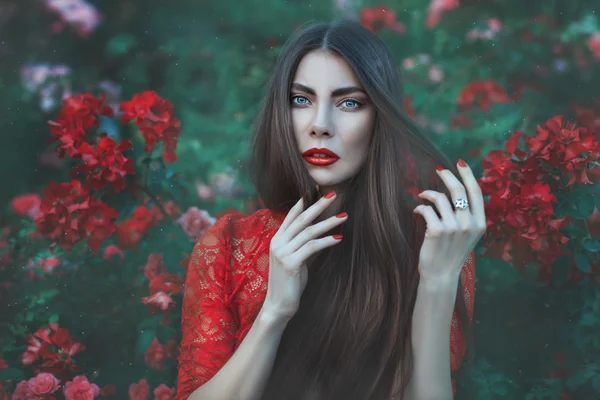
350, 103
300, 100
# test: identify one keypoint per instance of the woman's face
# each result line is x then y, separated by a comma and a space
333, 116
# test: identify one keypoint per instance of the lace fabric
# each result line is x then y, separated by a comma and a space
225, 286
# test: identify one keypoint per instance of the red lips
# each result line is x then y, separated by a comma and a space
320, 157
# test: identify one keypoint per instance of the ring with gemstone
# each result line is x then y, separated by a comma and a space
461, 204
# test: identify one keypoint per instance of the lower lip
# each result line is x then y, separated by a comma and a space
320, 161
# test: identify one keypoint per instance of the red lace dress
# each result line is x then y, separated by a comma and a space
225, 287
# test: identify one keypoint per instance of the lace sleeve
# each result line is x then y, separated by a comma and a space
457, 339
208, 325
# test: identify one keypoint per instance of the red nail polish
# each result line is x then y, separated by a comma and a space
440, 168
342, 215
421, 191
330, 194
462, 163
338, 236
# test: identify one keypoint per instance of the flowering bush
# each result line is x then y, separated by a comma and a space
94, 244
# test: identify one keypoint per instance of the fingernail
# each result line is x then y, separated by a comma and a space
338, 236
342, 215
462, 163
420, 192
330, 194
440, 168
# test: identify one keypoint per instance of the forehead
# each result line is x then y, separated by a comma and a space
325, 70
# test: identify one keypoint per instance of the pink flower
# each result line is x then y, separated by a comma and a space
80, 389
204, 191
195, 222
158, 301
27, 204
22, 391
495, 24
436, 9
163, 392
43, 384
139, 391
81, 15
436, 74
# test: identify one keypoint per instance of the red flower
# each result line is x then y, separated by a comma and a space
54, 347
27, 204
76, 117
69, 214
130, 231
43, 384
3, 364
155, 266
139, 391
163, 392
111, 250
104, 164
166, 282
563, 145
154, 118
156, 355
594, 44
80, 389
522, 227
375, 18
482, 92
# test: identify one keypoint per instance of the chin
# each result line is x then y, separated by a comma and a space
327, 178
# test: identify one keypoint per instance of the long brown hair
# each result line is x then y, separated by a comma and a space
351, 337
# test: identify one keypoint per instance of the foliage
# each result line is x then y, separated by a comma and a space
98, 224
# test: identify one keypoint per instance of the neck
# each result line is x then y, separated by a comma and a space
335, 207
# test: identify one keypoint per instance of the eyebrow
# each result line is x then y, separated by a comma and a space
336, 93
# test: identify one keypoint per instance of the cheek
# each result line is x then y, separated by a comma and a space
358, 133
300, 121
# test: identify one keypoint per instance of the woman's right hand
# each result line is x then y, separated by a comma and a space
295, 241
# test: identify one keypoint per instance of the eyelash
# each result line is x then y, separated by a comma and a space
358, 103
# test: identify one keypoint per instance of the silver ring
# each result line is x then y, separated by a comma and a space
461, 204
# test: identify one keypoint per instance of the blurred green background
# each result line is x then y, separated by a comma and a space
474, 73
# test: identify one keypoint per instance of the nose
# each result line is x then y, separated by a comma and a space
322, 124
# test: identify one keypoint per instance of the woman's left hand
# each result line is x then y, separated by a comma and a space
451, 239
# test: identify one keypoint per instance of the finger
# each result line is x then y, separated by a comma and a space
434, 225
442, 205
313, 246
292, 214
308, 216
313, 232
475, 195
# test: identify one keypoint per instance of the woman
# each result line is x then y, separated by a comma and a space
346, 293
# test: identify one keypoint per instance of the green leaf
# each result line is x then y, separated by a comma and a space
120, 44
596, 383
592, 245
11, 374
53, 318
144, 341
560, 273
585, 205
582, 262
579, 378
